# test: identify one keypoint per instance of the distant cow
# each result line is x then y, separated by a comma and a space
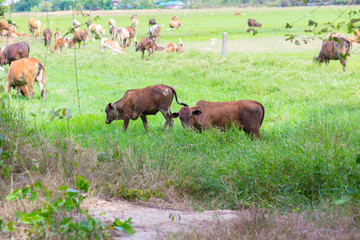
111, 22
9, 28
147, 44
338, 49
23, 73
60, 44
152, 21
113, 31
245, 114
95, 29
175, 48
76, 24
142, 102
123, 37
47, 36
175, 24
79, 36
154, 32
253, 23
14, 52
57, 35
113, 45
35, 25
237, 14
135, 21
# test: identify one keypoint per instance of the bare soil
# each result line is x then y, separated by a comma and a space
153, 222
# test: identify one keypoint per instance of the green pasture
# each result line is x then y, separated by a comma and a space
310, 134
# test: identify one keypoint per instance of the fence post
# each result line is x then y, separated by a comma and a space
224, 45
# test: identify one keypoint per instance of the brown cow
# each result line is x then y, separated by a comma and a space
253, 23
79, 36
141, 102
22, 74
147, 44
60, 44
172, 48
152, 22
47, 36
237, 14
154, 32
175, 24
14, 52
113, 30
57, 35
35, 24
336, 49
246, 114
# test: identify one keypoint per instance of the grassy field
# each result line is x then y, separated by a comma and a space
310, 134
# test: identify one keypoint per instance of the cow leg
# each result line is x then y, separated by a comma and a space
126, 123
143, 51
169, 120
18, 92
343, 63
144, 120
31, 91
9, 90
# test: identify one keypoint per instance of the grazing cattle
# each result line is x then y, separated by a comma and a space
57, 35
13, 52
174, 18
8, 28
253, 23
113, 31
111, 22
59, 44
246, 114
237, 14
35, 25
152, 22
47, 36
76, 24
134, 20
79, 36
142, 102
175, 24
23, 73
113, 45
147, 44
123, 36
338, 49
154, 32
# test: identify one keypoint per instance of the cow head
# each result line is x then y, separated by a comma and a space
112, 114
137, 46
186, 116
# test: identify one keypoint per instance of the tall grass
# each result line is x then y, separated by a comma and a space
310, 134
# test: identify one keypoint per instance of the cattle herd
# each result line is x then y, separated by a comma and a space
246, 115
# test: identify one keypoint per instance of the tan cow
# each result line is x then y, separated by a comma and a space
253, 23
60, 44
174, 18
5, 26
175, 48
356, 37
57, 35
175, 24
142, 102
147, 44
134, 20
35, 25
23, 73
247, 115
113, 45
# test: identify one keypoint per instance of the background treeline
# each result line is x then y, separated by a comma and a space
59, 5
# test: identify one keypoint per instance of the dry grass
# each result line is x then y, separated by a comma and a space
327, 223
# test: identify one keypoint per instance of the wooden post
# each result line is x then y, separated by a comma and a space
224, 45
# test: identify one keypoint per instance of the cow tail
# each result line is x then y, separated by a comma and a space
183, 104
41, 75
263, 115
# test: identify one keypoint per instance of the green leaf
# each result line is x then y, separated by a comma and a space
342, 200
63, 188
33, 196
2, 138
37, 186
25, 191
358, 159
65, 221
10, 226
12, 196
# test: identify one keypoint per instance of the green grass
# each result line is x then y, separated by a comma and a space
310, 132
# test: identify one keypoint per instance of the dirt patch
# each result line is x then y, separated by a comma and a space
150, 222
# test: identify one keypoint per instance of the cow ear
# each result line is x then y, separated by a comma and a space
110, 106
174, 115
197, 112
